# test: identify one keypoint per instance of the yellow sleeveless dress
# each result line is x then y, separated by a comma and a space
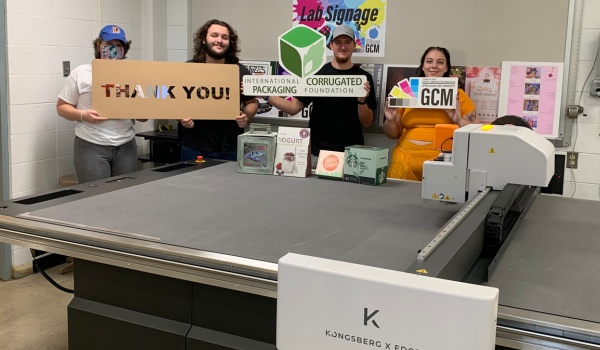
419, 125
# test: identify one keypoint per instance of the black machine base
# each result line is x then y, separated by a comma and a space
117, 308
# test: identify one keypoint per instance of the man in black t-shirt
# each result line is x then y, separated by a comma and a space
335, 122
216, 42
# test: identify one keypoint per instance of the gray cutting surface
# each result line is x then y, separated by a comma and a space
552, 264
263, 217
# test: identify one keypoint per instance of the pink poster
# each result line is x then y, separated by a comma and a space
483, 87
532, 91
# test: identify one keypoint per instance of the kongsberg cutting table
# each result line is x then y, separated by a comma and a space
185, 256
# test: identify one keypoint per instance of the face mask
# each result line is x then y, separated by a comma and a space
113, 52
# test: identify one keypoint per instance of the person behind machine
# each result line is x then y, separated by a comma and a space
414, 128
218, 43
512, 120
103, 148
335, 122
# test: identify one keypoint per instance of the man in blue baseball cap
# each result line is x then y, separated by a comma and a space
111, 43
103, 148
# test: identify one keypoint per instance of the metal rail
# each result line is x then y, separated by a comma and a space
449, 227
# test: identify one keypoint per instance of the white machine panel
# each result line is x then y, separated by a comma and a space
511, 154
326, 304
446, 181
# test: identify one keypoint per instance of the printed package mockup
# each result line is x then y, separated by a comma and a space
293, 152
331, 165
366, 165
256, 150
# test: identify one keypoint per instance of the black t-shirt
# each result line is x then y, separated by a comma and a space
334, 122
214, 135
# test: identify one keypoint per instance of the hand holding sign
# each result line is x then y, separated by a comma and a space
368, 90
91, 116
241, 120
455, 114
187, 123
391, 114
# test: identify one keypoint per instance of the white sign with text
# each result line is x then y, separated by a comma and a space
425, 93
327, 304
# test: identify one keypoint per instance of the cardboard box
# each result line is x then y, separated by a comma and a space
331, 165
256, 150
366, 165
293, 152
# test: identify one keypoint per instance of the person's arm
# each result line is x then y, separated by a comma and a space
469, 117
69, 112
250, 109
392, 126
365, 114
292, 107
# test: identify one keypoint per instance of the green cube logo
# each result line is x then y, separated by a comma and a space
302, 51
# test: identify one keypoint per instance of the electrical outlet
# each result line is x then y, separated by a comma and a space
572, 160
595, 87
66, 68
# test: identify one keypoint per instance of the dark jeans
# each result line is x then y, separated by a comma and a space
95, 162
191, 154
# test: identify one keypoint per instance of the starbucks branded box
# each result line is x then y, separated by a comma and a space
366, 165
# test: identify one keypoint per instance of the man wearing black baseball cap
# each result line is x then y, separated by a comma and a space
335, 122
103, 148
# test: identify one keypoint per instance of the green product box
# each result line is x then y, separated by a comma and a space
256, 150
366, 165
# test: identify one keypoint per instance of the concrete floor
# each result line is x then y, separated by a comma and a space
33, 313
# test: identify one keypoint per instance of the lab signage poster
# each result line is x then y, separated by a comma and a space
483, 87
366, 17
532, 90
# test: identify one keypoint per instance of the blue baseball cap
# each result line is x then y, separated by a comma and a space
112, 32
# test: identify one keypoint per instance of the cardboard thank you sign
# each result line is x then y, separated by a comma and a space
425, 93
165, 90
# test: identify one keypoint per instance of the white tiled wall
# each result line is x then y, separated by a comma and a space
177, 30
587, 175
40, 35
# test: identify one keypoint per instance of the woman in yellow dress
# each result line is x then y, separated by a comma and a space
414, 127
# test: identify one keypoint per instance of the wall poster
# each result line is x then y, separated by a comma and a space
366, 17
532, 91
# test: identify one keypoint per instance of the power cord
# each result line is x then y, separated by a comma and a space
48, 278
577, 123
442, 145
